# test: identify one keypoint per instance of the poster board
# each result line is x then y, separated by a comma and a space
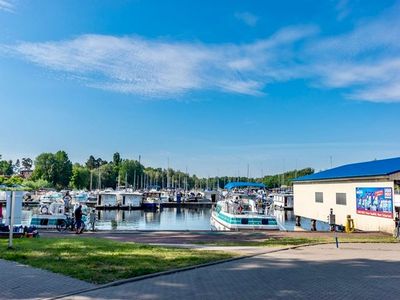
375, 201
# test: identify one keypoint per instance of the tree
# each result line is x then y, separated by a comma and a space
16, 167
80, 177
109, 174
63, 169
92, 163
27, 163
54, 168
45, 168
6, 167
116, 159
130, 168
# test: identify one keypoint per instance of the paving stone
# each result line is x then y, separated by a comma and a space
354, 271
18, 281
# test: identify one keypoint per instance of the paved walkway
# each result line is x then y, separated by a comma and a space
188, 237
22, 282
354, 271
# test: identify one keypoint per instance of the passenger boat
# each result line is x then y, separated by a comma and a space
129, 199
243, 209
283, 200
152, 200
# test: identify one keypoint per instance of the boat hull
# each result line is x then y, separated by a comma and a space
227, 222
151, 205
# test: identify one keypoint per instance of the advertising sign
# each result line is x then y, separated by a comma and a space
375, 202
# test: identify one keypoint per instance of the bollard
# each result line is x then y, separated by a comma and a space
349, 224
298, 221
313, 225
332, 220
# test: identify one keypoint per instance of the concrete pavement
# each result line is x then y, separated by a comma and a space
354, 271
23, 282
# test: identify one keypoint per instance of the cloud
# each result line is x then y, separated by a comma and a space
362, 63
160, 68
343, 9
6, 6
365, 61
247, 18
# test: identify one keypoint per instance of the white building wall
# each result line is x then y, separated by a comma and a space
305, 205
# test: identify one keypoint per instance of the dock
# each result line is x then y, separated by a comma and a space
165, 205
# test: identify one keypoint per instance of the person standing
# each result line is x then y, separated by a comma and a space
67, 201
78, 219
92, 219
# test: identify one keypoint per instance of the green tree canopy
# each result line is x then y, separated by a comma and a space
80, 178
54, 168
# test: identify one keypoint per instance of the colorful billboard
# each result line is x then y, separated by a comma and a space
375, 202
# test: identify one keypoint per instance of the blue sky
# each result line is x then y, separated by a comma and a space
209, 85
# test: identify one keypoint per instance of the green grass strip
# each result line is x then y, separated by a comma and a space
98, 260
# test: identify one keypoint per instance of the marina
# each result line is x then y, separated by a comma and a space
171, 218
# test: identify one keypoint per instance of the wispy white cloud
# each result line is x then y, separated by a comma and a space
6, 5
247, 18
166, 68
364, 63
342, 8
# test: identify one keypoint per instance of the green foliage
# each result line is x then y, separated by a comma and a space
109, 175
6, 167
27, 163
278, 180
54, 168
14, 180
116, 159
80, 178
130, 169
36, 185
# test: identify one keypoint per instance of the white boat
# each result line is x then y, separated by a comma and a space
152, 200
127, 199
165, 197
242, 210
107, 198
283, 200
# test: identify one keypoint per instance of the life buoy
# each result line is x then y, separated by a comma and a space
44, 210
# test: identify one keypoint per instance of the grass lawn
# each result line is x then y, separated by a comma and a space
99, 260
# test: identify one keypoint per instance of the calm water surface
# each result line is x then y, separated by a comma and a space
174, 219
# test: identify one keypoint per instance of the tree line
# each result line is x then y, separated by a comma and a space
57, 171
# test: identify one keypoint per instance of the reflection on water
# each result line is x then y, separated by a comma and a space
179, 218
166, 219
288, 220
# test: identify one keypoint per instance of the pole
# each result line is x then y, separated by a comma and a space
11, 221
91, 180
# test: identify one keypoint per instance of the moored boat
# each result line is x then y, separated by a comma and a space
243, 210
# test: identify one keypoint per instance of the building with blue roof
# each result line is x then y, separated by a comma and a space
366, 192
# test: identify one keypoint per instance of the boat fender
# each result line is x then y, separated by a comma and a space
44, 210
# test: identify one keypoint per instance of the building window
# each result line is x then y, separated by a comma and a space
341, 198
319, 197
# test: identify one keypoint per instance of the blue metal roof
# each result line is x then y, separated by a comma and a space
232, 185
364, 169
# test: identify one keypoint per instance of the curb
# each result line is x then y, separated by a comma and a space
173, 271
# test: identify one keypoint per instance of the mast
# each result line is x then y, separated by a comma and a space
99, 183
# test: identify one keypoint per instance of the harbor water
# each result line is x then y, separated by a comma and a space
176, 218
